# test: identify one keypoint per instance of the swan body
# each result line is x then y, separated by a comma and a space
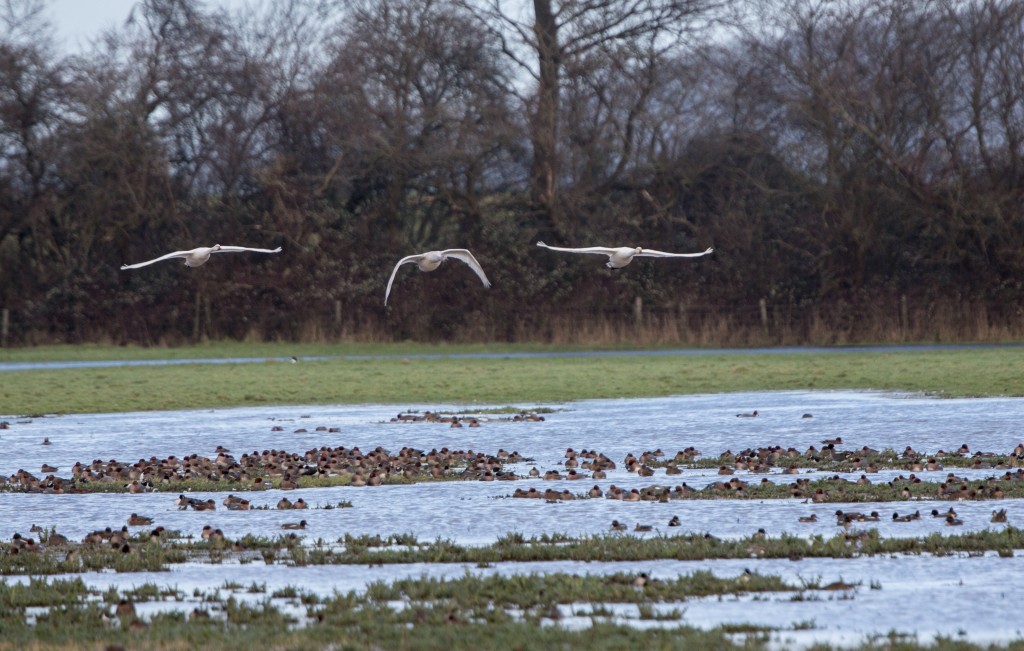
431, 260
620, 256
198, 256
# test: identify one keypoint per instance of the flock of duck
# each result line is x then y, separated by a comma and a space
618, 257
948, 517
270, 469
284, 470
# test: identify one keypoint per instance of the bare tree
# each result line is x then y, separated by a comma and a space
421, 110
32, 80
557, 37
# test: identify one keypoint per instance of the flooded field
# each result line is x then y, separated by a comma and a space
917, 595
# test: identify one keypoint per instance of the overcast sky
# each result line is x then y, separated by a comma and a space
77, 21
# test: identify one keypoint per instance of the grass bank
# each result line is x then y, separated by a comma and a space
396, 375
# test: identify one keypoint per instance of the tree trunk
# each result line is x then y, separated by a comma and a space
544, 127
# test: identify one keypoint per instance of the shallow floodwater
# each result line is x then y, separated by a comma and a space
919, 595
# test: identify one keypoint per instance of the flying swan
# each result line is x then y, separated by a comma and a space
619, 257
198, 256
432, 260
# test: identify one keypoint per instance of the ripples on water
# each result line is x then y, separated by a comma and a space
918, 594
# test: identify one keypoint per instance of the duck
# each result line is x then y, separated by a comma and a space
136, 520
229, 499
836, 441
183, 502
999, 516
198, 256
237, 503
752, 414
953, 521
301, 524
674, 522
642, 527
809, 518
618, 526
619, 257
124, 609
431, 260
848, 517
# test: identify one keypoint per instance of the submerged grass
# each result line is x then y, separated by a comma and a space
532, 380
615, 547
465, 613
404, 549
526, 591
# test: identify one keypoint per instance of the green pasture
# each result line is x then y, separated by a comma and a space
393, 374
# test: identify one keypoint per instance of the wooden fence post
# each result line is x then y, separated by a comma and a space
196, 318
209, 316
763, 304
638, 310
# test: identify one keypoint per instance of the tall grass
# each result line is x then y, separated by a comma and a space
874, 320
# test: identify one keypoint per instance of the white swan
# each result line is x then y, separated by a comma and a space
198, 256
432, 260
619, 257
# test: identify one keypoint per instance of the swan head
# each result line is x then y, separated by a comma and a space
639, 249
216, 247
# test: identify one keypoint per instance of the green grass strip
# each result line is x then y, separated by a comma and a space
401, 381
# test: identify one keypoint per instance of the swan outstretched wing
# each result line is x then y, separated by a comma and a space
603, 250
651, 253
408, 258
236, 249
467, 257
176, 254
